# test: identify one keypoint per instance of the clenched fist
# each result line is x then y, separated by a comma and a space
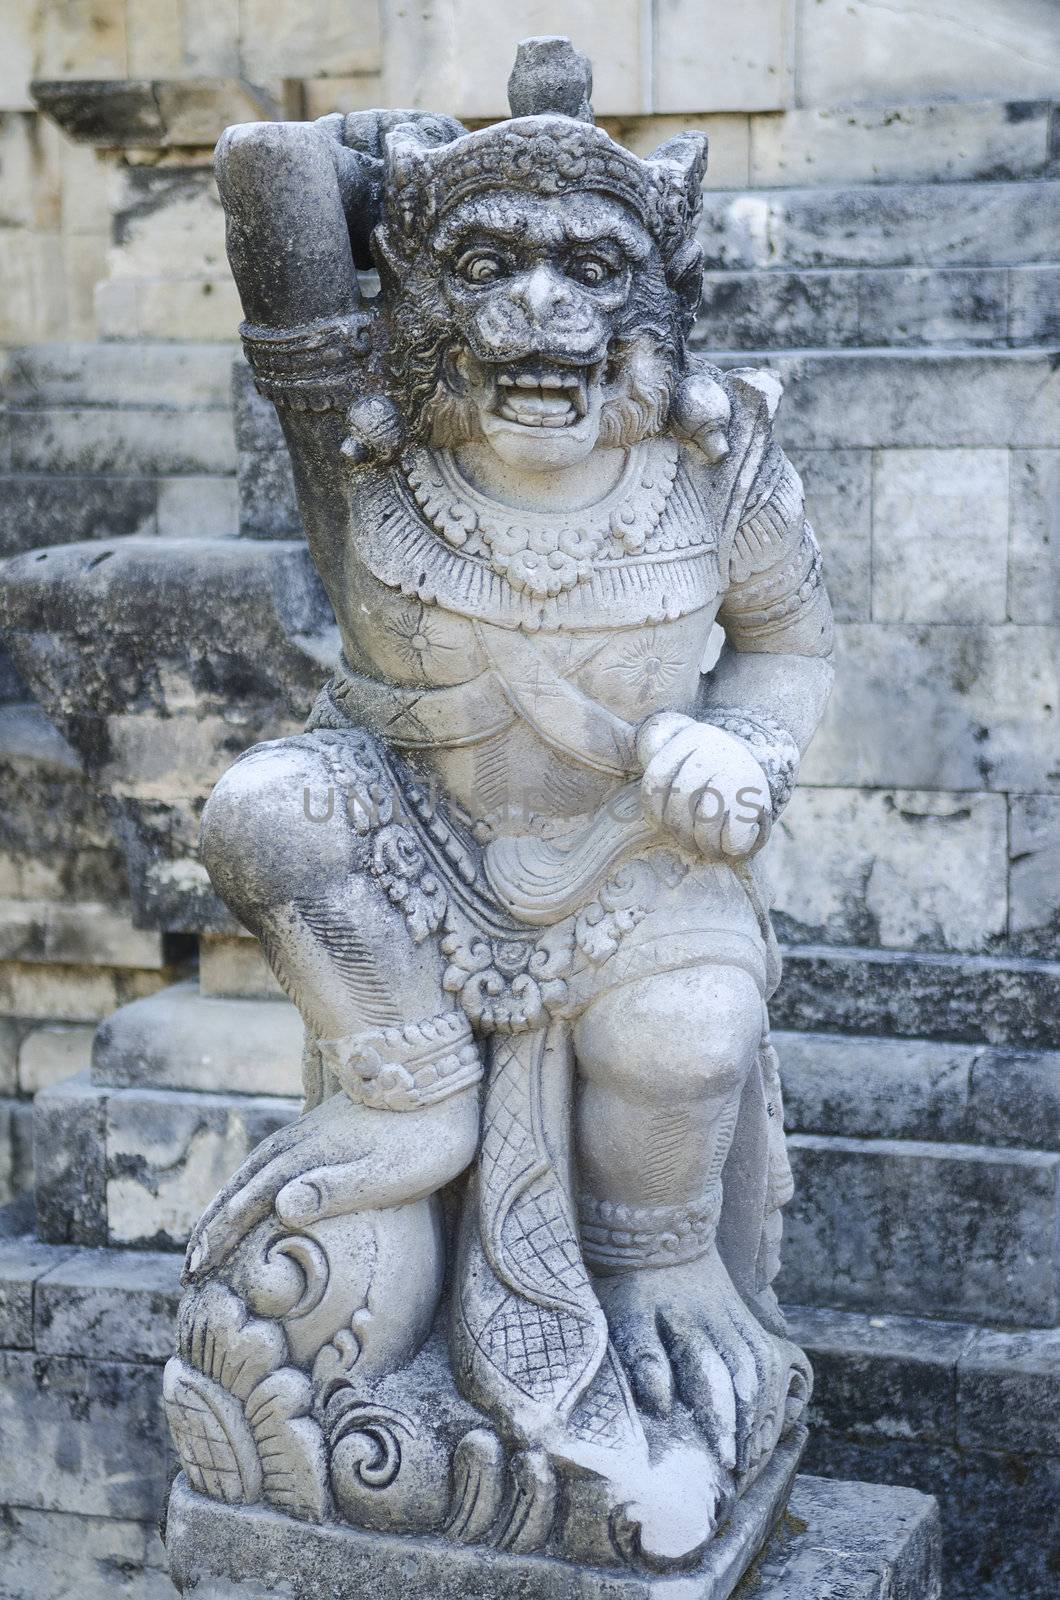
703, 786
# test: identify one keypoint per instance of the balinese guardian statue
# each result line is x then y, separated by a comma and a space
507, 1282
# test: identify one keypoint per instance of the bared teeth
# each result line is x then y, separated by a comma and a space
543, 399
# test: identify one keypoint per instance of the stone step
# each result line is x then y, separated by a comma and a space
139, 1166
912, 1226
181, 1038
931, 226
970, 1414
985, 307
1008, 1001
872, 1088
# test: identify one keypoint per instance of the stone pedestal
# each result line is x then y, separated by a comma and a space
861, 1541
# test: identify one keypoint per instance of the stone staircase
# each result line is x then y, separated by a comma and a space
915, 326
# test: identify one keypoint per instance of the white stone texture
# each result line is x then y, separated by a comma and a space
728, 133
736, 58
70, 993
1034, 536
48, 1055
197, 508
838, 486
308, 38
889, 868
77, 935
1034, 851
915, 50
940, 707
235, 967
940, 535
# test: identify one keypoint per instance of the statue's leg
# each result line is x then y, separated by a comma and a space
662, 1064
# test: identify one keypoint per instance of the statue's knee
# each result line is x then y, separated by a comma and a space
681, 1035
267, 828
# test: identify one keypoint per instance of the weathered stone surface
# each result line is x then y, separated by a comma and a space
940, 707
70, 1167
1034, 872
1034, 548
48, 1055
894, 871
42, 992
940, 525
864, 1541
16, 1148
184, 1038
1008, 1392
52, 1555
42, 509
1034, 311
894, 143
197, 508
168, 1153
934, 226
179, 377
143, 442
748, 66
235, 968
999, 1511
82, 1436
916, 1089
144, 112
854, 50
77, 935
267, 505
838, 487
116, 1305
10, 1038
23, 1262
959, 1231
1003, 1001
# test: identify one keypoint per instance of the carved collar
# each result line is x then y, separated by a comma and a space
544, 553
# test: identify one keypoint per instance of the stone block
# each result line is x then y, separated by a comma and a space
876, 1088
167, 224
933, 226
39, 509
23, 1262
861, 1541
268, 505
1034, 536
41, 992
1001, 1533
894, 873
188, 376
737, 59
785, 310
925, 306
165, 308
16, 1148
310, 38
940, 535
82, 1436
80, 935
48, 1055
1005, 1001
198, 508
53, 1555
34, 300
1014, 1098
940, 707
84, 266
11, 1033
70, 1148
116, 1305
83, 39
838, 486
182, 1038
29, 154
1034, 310
236, 968
888, 143
729, 135
1034, 872
86, 191
1008, 1392
168, 1153
257, 427
881, 1377
854, 50
139, 443
956, 1231
211, 36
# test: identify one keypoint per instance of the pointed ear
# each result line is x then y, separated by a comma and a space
684, 274
688, 153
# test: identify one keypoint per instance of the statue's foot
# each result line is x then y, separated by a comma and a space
685, 1335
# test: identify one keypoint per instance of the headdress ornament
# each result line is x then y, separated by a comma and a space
550, 147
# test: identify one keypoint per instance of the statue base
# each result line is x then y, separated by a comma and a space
218, 1551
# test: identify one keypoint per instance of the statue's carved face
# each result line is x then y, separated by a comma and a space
543, 327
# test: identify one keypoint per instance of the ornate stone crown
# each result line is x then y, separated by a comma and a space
550, 151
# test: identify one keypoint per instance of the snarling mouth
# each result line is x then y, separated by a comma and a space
537, 396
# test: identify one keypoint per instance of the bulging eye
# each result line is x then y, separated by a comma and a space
481, 267
590, 270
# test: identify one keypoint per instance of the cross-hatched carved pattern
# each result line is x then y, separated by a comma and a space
212, 1465
539, 1351
602, 1416
539, 1241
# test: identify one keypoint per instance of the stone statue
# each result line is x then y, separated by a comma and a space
507, 1282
